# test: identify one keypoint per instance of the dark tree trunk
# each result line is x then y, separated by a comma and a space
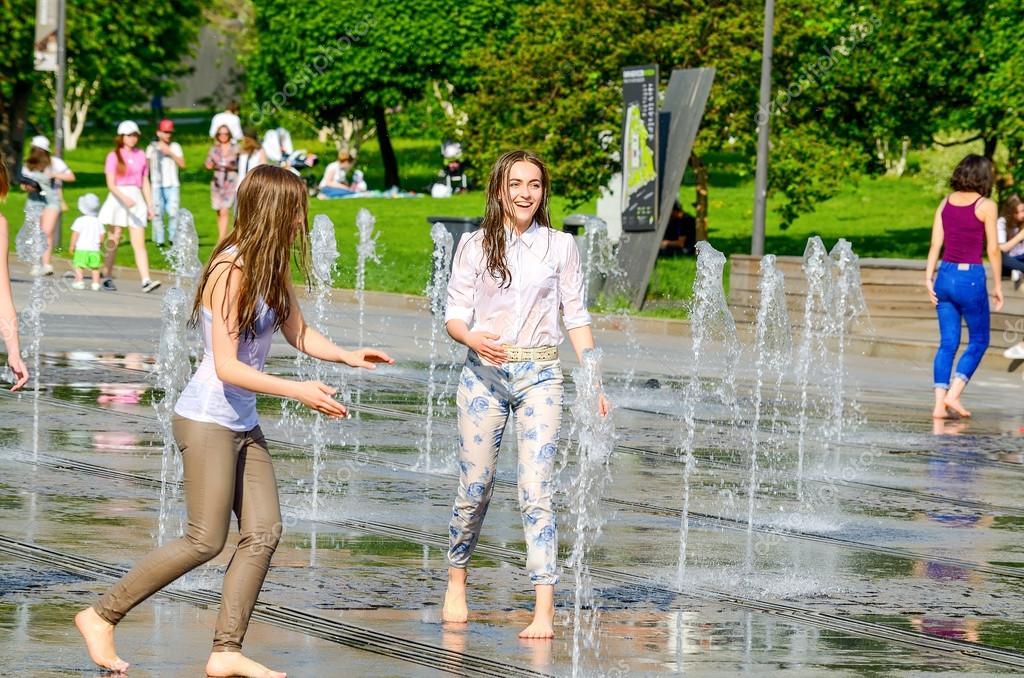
990, 146
387, 151
12, 124
700, 173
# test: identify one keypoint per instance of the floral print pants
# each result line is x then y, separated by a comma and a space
486, 394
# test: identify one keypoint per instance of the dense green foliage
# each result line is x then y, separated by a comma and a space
120, 55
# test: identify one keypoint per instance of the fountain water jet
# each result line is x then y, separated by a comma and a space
817, 267
324, 265
437, 292
846, 306
710, 321
595, 441
366, 250
173, 367
772, 348
604, 277
30, 244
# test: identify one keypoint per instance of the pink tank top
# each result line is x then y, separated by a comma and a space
963, 233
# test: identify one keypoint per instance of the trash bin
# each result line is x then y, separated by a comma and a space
573, 223
457, 226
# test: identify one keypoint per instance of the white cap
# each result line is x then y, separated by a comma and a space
89, 204
41, 142
128, 127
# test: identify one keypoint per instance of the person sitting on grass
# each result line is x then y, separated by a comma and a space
8, 314
86, 236
1010, 228
336, 184
680, 234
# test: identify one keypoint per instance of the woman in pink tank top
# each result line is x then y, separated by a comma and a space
964, 226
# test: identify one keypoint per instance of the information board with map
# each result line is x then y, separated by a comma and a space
639, 146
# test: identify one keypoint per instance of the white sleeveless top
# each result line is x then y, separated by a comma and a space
206, 398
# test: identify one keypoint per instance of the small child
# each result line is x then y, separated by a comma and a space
86, 235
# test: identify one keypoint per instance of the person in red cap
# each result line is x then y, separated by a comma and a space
165, 157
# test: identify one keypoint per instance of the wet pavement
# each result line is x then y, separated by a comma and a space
897, 551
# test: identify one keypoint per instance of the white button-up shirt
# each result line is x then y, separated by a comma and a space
546, 281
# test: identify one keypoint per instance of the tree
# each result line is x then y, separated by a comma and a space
115, 60
557, 89
333, 60
16, 75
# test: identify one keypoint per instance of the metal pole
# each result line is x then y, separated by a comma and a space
763, 119
58, 125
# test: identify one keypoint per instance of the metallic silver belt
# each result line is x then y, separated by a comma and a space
518, 354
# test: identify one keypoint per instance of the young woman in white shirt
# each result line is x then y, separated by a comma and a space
510, 281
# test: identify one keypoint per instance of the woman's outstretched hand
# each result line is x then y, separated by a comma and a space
17, 366
366, 358
603, 406
317, 396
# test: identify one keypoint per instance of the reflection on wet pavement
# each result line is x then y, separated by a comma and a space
903, 554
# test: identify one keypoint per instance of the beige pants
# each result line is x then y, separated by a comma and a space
225, 471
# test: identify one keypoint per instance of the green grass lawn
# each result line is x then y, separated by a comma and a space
882, 217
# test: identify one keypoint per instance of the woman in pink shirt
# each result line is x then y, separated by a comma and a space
129, 203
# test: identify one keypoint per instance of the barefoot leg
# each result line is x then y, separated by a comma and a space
224, 664
952, 399
455, 609
939, 411
99, 640
543, 624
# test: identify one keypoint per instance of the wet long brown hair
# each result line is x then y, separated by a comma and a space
1010, 214
498, 211
5, 180
269, 233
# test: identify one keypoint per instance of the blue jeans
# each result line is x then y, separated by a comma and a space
963, 296
486, 395
165, 199
1012, 263
335, 192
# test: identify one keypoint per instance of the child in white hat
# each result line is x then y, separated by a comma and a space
86, 235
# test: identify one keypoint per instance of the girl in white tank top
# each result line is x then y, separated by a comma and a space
244, 296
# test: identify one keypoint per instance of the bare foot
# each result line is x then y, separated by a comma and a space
455, 610
940, 412
954, 404
99, 640
225, 664
542, 627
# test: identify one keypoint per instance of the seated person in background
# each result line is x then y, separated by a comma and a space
680, 234
336, 184
1010, 229
252, 155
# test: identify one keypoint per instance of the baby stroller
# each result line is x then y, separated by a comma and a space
278, 145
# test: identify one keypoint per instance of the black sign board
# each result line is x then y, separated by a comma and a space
640, 148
